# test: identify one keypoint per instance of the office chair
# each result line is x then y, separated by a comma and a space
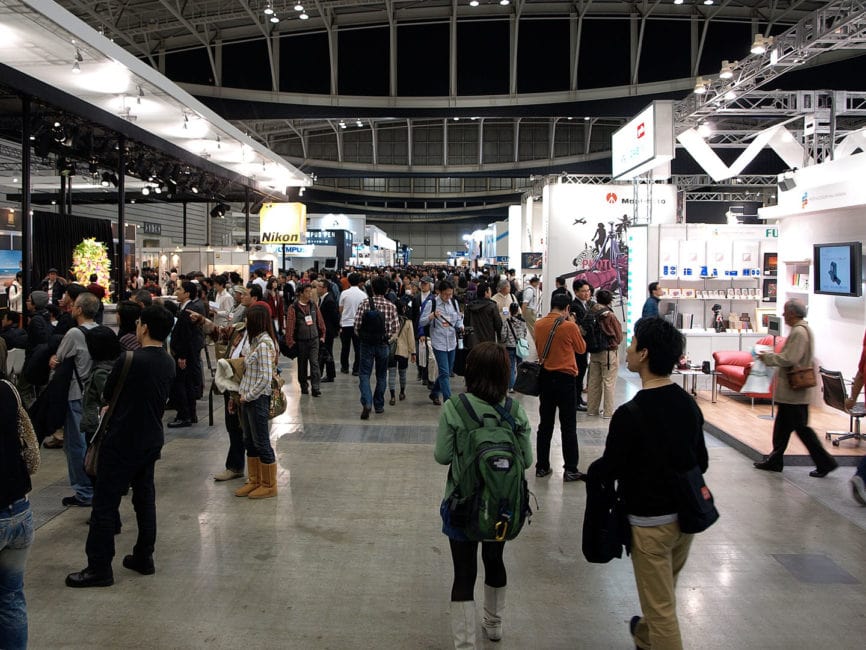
835, 395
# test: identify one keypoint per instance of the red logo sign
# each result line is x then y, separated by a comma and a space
611, 197
641, 130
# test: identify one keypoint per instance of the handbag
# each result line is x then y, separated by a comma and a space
696, 508
606, 529
26, 434
91, 456
278, 402
528, 378
521, 348
803, 377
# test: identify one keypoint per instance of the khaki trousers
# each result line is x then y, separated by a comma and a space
601, 384
530, 317
658, 553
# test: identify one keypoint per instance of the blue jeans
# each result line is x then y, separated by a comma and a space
75, 446
371, 354
442, 385
16, 536
257, 429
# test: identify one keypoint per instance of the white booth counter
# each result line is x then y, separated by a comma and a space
701, 343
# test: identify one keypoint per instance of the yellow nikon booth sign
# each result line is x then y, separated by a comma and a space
283, 223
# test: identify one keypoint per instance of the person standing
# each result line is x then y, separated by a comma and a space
73, 351
504, 298
305, 328
442, 321
130, 448
99, 291
560, 288
513, 329
486, 387
331, 317
580, 307
419, 302
604, 364
54, 286
15, 293
635, 460
375, 333
792, 406
557, 387
531, 304
16, 518
651, 306
350, 299
482, 316
858, 481
187, 341
224, 300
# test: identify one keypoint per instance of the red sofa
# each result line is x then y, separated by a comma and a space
733, 366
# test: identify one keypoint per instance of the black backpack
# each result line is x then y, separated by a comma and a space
102, 343
596, 339
372, 330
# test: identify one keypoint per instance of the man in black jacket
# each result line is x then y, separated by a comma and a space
129, 452
14, 336
482, 315
331, 315
187, 341
580, 307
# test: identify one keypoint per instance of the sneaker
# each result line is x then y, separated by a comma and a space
569, 477
858, 489
228, 475
144, 565
74, 501
541, 473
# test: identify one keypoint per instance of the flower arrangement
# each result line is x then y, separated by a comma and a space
91, 256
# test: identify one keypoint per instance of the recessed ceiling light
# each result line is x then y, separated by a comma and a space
473, 3
505, 3
678, 2
303, 16
274, 19
299, 7
269, 10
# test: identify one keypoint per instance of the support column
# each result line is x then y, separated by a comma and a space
120, 272
247, 218
26, 212
183, 241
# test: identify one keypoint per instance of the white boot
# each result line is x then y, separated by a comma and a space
463, 624
494, 604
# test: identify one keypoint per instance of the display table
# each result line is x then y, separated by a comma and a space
701, 343
694, 373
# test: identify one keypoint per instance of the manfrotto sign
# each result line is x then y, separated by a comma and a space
283, 223
644, 143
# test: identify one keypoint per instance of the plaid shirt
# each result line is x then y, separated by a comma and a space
388, 309
259, 368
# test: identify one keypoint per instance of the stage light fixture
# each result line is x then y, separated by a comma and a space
219, 211
299, 7
269, 10
76, 62
727, 71
678, 2
274, 18
505, 3
760, 44
303, 16
106, 180
474, 3
145, 191
700, 86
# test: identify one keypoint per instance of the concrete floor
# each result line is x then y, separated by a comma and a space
350, 555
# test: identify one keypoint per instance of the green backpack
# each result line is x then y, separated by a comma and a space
490, 501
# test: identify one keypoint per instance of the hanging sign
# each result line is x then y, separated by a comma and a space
283, 223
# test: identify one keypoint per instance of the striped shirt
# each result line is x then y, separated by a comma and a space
259, 368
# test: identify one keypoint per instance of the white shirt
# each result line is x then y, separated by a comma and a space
263, 284
530, 298
225, 303
350, 300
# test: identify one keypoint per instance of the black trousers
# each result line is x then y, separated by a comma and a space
187, 388
326, 357
464, 556
117, 471
794, 418
308, 363
235, 456
349, 340
557, 392
582, 367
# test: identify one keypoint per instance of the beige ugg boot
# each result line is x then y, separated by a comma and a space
463, 624
267, 482
253, 477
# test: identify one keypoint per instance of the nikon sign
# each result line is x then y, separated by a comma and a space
283, 223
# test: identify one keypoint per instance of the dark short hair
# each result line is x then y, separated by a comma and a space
444, 285
488, 371
380, 285
93, 277
579, 283
221, 280
88, 303
159, 321
663, 342
13, 316
190, 287
603, 297
482, 289
653, 286
355, 279
74, 290
144, 297
559, 301
560, 280
127, 313
256, 291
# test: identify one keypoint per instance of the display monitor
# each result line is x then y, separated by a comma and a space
838, 269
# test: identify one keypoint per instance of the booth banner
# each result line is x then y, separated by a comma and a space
587, 232
693, 259
720, 260
283, 223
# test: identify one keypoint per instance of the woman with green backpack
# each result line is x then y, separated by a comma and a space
482, 423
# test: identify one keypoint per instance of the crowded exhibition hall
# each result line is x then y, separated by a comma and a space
442, 324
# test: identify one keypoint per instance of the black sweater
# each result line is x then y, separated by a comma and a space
14, 479
637, 456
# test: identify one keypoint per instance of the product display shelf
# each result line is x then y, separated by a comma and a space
797, 279
735, 294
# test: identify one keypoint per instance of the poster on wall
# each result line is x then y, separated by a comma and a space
669, 257
10, 264
746, 259
770, 290
771, 264
531, 260
719, 258
693, 258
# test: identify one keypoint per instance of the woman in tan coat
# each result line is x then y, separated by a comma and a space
404, 351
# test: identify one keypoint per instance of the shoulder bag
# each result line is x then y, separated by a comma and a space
803, 377
528, 376
521, 345
696, 509
91, 457
26, 434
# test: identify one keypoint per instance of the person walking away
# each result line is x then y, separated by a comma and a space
350, 299
441, 319
19, 459
486, 376
858, 481
130, 448
557, 387
305, 328
513, 329
255, 399
376, 325
531, 304
331, 317
633, 457
604, 364
481, 318
792, 406
580, 307
404, 349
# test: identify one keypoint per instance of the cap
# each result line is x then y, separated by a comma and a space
427, 279
52, 270
39, 299
239, 288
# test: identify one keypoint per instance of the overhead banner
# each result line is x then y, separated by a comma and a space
644, 143
283, 223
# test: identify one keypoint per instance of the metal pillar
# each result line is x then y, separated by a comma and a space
120, 273
26, 213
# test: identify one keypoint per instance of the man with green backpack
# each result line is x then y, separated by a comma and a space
484, 437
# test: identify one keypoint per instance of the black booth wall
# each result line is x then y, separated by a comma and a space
54, 237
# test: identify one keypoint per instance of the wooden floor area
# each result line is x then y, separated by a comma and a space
737, 422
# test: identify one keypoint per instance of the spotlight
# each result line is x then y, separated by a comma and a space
705, 130
274, 19
473, 3
727, 71
505, 3
145, 191
65, 167
76, 61
269, 10
303, 16
700, 86
359, 123
219, 211
760, 44
58, 133
299, 7
678, 2
342, 124
76, 69
93, 167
